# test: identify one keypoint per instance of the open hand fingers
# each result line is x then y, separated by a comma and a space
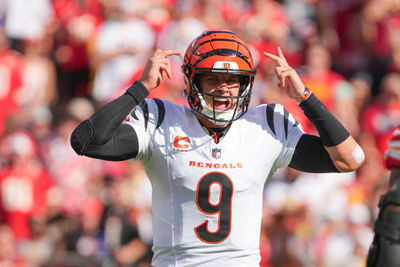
282, 74
275, 58
166, 53
165, 67
157, 67
161, 59
282, 57
278, 59
288, 79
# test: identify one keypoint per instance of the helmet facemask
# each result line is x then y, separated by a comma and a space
220, 52
198, 103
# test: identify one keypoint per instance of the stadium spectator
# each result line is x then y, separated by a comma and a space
76, 24
24, 184
381, 116
27, 20
11, 70
117, 52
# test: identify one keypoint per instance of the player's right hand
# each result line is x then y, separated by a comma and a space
156, 68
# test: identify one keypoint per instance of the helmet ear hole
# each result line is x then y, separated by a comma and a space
186, 70
196, 81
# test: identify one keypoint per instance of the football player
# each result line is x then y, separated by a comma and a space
385, 248
208, 163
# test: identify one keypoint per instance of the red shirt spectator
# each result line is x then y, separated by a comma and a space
11, 69
329, 86
383, 115
23, 184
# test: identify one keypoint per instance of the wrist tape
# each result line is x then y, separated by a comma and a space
331, 131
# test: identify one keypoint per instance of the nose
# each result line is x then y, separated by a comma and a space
223, 86
222, 89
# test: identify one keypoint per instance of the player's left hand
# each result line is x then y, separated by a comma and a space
289, 80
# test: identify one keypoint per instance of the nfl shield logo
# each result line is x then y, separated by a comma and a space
216, 153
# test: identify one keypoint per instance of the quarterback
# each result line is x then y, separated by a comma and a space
208, 162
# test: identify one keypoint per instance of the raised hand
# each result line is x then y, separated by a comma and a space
289, 80
156, 68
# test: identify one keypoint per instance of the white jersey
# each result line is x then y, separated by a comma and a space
207, 196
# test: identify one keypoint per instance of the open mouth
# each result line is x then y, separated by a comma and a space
222, 104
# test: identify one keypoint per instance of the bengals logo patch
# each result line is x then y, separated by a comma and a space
181, 143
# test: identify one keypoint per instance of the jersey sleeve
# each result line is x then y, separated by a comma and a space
286, 129
145, 119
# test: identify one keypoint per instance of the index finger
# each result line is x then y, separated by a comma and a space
273, 57
168, 53
281, 56
279, 59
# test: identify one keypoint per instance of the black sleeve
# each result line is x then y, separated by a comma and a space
103, 136
331, 131
311, 156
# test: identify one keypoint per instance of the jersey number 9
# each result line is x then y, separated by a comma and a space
222, 208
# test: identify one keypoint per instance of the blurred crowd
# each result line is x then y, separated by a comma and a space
62, 59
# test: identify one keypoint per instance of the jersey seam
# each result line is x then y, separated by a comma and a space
167, 134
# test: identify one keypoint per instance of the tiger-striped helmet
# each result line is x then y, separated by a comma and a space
218, 51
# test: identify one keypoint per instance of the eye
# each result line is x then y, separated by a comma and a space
212, 79
232, 80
